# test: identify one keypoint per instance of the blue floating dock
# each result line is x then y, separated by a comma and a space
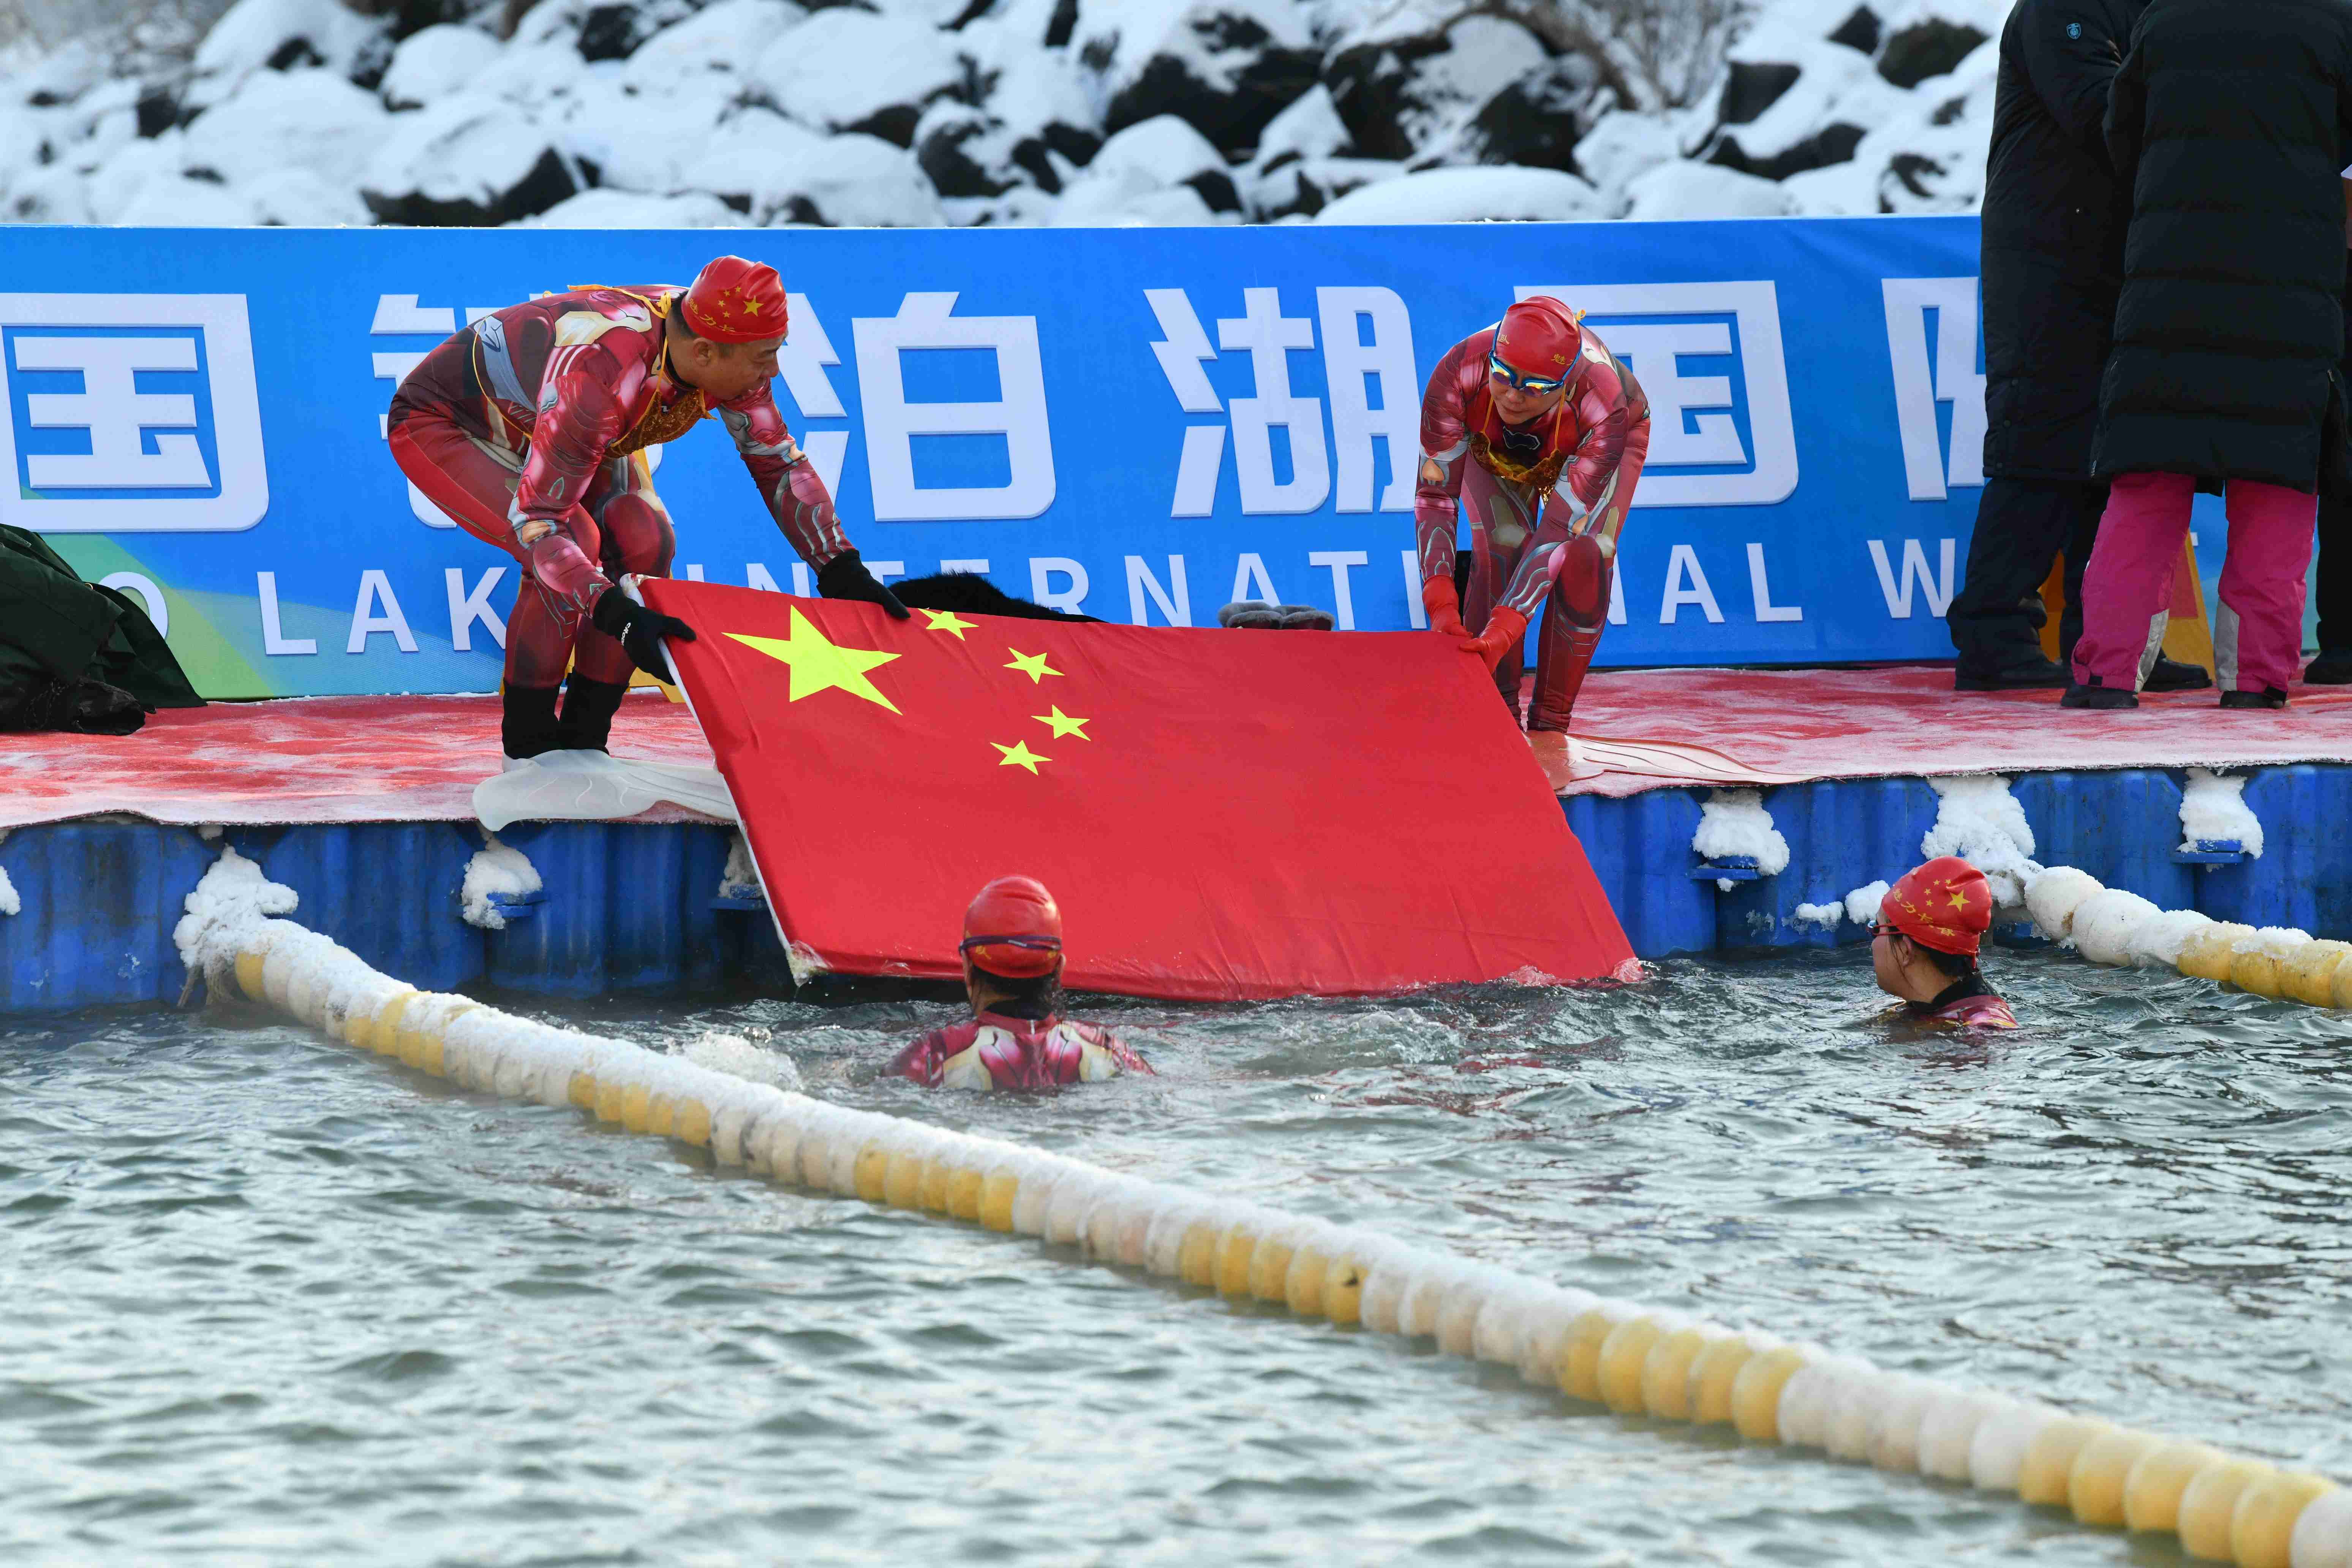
629, 907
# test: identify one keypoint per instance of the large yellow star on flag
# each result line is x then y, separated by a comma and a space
1019, 755
819, 664
1032, 665
949, 621
1063, 724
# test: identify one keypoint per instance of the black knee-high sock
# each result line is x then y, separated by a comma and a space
588, 710
527, 727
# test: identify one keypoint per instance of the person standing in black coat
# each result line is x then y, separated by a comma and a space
2228, 122
2053, 265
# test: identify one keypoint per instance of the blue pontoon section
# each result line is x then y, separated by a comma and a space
633, 907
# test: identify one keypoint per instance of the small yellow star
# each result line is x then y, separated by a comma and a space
1063, 724
1019, 755
949, 621
1032, 665
819, 664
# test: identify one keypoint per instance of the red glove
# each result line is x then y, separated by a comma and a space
1444, 607
1505, 628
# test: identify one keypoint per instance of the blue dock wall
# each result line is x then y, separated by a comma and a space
633, 907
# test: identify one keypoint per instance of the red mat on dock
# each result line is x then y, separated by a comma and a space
1907, 721
418, 759
315, 759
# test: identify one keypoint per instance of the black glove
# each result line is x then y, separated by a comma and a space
639, 628
845, 577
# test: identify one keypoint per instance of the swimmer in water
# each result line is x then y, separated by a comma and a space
1930, 926
1016, 1038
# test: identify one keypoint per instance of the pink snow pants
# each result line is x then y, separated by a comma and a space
2128, 590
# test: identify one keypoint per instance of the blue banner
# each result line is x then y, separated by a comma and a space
1143, 424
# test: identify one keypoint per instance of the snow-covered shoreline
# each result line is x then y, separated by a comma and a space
661, 113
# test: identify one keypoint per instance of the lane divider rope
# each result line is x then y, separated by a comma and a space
1636, 1359
2110, 926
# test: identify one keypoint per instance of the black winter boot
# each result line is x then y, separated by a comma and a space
2268, 697
2172, 675
2097, 696
2332, 668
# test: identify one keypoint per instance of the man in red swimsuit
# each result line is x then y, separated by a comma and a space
529, 427
1924, 949
1013, 973
1535, 433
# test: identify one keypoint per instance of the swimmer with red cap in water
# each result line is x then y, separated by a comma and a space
1924, 950
1016, 1038
529, 428
1535, 434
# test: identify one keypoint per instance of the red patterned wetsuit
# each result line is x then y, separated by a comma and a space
527, 427
992, 1051
1545, 505
1976, 1008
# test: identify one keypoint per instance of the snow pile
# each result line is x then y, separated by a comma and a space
496, 869
639, 112
740, 879
2213, 810
734, 1055
1979, 820
1861, 905
230, 904
10, 904
1825, 916
1733, 822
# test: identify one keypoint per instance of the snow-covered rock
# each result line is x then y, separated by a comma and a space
1227, 66
294, 197
1623, 146
1400, 95
627, 209
1467, 195
176, 201
435, 62
845, 70
726, 39
928, 111
466, 160
1156, 155
1703, 190
243, 137
276, 35
776, 171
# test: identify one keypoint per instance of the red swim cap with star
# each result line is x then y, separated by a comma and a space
736, 301
1944, 904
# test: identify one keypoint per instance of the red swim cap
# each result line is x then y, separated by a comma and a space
1944, 904
736, 301
1539, 337
1013, 929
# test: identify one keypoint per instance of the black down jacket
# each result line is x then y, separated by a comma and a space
2229, 123
2053, 227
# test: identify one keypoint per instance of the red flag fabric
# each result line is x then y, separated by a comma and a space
1220, 814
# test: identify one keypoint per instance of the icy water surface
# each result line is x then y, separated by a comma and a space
269, 1301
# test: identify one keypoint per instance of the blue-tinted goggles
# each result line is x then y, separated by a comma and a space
1518, 381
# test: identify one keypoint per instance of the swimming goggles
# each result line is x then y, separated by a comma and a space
1518, 381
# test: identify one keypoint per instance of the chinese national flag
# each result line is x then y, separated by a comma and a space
1220, 814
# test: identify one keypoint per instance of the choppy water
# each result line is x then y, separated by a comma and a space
266, 1300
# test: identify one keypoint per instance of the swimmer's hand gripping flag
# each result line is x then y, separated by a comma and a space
1220, 814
